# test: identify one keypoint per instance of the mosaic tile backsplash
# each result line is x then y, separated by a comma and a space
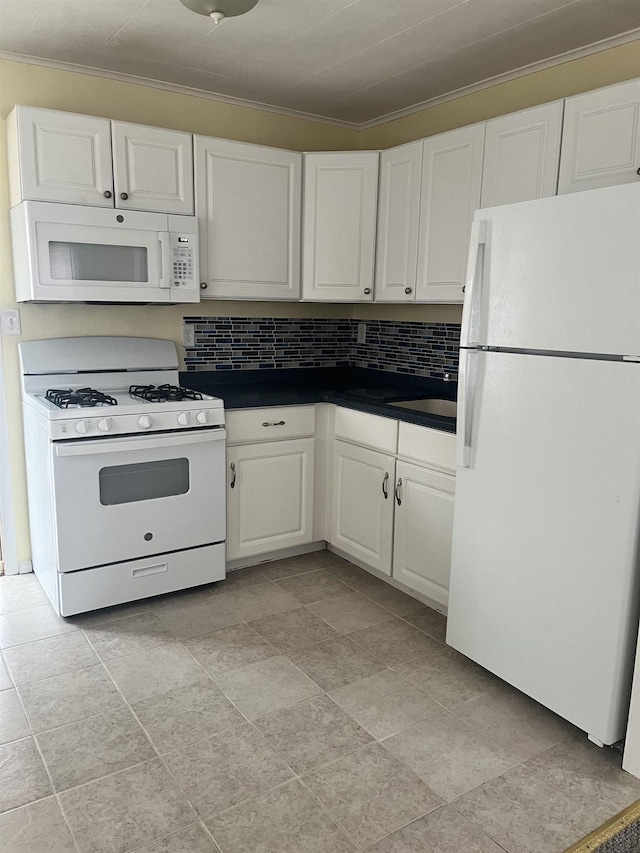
250, 343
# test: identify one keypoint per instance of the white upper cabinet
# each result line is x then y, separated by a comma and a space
56, 156
248, 202
339, 230
521, 155
398, 223
450, 194
601, 139
153, 168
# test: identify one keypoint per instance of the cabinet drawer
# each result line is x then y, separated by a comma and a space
429, 446
370, 430
270, 424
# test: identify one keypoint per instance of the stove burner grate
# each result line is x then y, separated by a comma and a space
163, 393
64, 398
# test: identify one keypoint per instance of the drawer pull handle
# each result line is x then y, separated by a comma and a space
272, 423
385, 490
143, 571
232, 485
398, 492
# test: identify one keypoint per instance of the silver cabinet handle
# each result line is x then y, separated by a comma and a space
367, 291
232, 484
407, 290
385, 490
203, 285
273, 423
398, 492
107, 193
124, 196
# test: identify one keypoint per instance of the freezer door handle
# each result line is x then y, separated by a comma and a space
472, 294
466, 382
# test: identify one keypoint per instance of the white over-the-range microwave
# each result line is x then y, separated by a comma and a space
73, 253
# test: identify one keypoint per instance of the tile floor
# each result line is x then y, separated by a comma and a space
301, 706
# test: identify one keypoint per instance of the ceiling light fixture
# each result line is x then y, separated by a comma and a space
218, 10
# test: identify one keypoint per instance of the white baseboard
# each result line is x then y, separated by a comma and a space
245, 562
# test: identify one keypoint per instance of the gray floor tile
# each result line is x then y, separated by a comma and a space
245, 577
291, 566
429, 621
192, 617
153, 672
326, 559
371, 794
23, 778
53, 656
286, 820
69, 697
266, 686
36, 828
523, 814
312, 733
384, 703
295, 629
335, 663
451, 758
256, 600
191, 840
20, 592
393, 599
128, 636
313, 586
444, 830
448, 677
111, 614
13, 722
186, 714
92, 748
126, 810
395, 642
229, 648
227, 769
34, 624
355, 577
5, 679
349, 612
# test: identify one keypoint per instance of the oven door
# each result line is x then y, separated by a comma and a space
136, 496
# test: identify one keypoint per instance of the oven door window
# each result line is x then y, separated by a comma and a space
143, 481
97, 262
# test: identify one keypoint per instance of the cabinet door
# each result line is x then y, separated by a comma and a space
339, 226
423, 530
362, 515
153, 168
62, 157
451, 178
398, 220
601, 139
270, 497
521, 156
248, 201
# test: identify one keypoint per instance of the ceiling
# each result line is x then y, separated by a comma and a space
347, 60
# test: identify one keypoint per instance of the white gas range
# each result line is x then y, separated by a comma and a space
125, 471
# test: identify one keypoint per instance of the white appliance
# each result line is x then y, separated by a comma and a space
545, 575
73, 253
126, 492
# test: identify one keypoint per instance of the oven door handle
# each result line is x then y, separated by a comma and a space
91, 447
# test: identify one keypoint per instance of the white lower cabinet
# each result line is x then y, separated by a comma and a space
423, 530
362, 504
269, 496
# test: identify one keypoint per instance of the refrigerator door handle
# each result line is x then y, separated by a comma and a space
466, 382
472, 294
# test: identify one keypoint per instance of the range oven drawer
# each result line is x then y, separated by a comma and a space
136, 579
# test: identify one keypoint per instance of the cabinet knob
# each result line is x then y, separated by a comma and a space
463, 288
203, 285
407, 290
107, 193
124, 196
367, 290
637, 171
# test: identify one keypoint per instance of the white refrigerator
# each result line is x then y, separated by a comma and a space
545, 578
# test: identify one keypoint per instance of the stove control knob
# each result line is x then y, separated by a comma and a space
144, 422
202, 417
184, 418
82, 427
104, 424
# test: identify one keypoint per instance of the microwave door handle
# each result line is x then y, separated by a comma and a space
165, 259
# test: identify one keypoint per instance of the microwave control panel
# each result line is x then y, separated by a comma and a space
183, 266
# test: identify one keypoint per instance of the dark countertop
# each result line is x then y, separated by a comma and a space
352, 387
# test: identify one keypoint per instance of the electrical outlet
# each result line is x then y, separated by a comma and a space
362, 333
188, 335
11, 324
